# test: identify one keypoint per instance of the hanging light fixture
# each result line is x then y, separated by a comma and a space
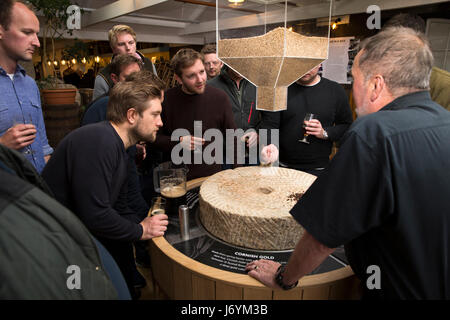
335, 23
83, 60
97, 59
74, 61
236, 3
63, 62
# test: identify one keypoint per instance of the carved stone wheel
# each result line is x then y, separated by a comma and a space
249, 206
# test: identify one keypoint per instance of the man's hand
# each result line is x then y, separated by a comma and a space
269, 154
264, 271
141, 151
19, 136
252, 138
191, 142
314, 128
154, 226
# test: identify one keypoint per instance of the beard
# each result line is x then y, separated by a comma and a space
137, 134
193, 89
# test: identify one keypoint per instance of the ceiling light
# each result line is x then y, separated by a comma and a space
236, 3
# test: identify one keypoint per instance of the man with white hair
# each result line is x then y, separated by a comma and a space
385, 194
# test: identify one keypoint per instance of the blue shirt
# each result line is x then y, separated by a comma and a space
20, 99
96, 112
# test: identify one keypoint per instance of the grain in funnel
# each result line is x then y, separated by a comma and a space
253, 40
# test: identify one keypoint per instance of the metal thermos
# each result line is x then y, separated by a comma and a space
183, 214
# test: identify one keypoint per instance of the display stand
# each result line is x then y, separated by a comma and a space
177, 276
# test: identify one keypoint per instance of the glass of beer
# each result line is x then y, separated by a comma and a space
172, 185
158, 206
308, 117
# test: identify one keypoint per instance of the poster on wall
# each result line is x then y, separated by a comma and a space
340, 59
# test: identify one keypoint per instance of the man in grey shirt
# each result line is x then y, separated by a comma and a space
122, 39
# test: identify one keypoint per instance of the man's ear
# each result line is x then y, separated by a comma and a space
377, 85
114, 78
132, 115
1, 31
178, 79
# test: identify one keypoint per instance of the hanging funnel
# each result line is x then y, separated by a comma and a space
253, 40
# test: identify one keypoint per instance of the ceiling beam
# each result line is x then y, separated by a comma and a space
150, 22
116, 9
150, 38
306, 12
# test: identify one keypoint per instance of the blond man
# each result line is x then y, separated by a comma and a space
122, 40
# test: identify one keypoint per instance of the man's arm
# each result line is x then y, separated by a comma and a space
100, 87
307, 256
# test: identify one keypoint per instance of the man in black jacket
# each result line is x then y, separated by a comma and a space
242, 94
32, 225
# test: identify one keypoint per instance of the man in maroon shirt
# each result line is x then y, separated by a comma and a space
193, 100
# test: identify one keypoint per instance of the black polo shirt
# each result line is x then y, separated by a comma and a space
386, 197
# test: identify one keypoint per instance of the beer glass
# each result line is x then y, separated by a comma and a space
158, 206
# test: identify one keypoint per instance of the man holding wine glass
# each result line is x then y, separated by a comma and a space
318, 114
21, 121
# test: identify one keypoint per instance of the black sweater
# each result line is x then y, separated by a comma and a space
88, 174
329, 102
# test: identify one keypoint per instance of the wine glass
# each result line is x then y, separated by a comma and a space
308, 117
24, 119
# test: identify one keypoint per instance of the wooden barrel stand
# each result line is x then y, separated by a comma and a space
60, 119
179, 277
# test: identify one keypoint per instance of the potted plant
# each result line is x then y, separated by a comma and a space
55, 25
55, 92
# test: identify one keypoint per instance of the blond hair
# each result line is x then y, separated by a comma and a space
118, 29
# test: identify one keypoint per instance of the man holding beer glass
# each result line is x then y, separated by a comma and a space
89, 171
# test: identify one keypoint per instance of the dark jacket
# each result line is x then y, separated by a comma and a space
13, 162
243, 100
41, 241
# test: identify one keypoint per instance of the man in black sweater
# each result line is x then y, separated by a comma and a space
88, 173
328, 101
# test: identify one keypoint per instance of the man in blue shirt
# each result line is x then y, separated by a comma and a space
21, 121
